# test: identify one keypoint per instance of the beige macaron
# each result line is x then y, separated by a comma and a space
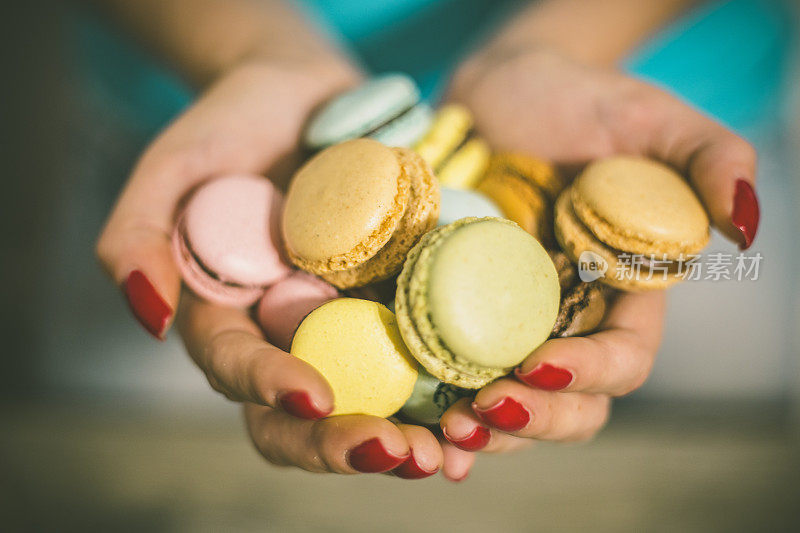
355, 209
623, 206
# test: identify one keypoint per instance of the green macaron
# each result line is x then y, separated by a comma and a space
431, 398
475, 298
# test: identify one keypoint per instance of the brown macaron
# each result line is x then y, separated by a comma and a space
583, 304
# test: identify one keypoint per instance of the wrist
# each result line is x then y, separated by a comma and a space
306, 83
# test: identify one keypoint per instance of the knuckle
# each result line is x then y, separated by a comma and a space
742, 148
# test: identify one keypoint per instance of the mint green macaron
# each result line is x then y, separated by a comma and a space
475, 298
386, 108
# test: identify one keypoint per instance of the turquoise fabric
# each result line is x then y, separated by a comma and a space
728, 58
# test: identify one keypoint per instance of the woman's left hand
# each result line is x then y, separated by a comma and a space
536, 101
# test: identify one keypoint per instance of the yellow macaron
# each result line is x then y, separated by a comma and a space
355, 209
458, 157
623, 206
356, 345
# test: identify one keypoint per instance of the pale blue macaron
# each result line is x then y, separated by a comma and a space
386, 108
461, 203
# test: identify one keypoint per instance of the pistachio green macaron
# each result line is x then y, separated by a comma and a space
475, 297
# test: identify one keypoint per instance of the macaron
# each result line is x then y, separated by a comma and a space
583, 304
286, 303
355, 209
227, 241
457, 155
462, 203
386, 108
431, 398
356, 345
623, 206
474, 298
525, 189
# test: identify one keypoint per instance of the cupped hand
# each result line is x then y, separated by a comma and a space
250, 122
535, 101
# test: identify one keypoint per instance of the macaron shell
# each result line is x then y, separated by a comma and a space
462, 203
450, 127
356, 345
420, 216
640, 206
360, 110
520, 202
574, 238
231, 225
344, 205
475, 298
440, 364
465, 168
537, 172
203, 284
405, 130
286, 303
493, 293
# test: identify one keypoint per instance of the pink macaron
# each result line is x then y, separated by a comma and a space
286, 304
227, 240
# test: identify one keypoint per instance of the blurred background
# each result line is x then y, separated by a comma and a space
103, 428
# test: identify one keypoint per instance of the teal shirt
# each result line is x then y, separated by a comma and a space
727, 57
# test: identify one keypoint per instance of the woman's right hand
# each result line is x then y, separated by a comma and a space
249, 121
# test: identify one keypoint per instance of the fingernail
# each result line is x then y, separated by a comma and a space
299, 404
506, 415
410, 469
148, 307
371, 457
476, 440
745, 212
547, 377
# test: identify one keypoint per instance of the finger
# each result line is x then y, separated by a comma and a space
614, 361
341, 444
426, 453
134, 246
512, 407
463, 429
238, 362
720, 165
456, 463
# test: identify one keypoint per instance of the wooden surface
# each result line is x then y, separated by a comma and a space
666, 468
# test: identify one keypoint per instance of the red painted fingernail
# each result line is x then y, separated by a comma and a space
476, 440
745, 212
148, 307
299, 404
371, 457
506, 415
547, 377
409, 469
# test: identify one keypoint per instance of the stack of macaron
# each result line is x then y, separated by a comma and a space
403, 210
